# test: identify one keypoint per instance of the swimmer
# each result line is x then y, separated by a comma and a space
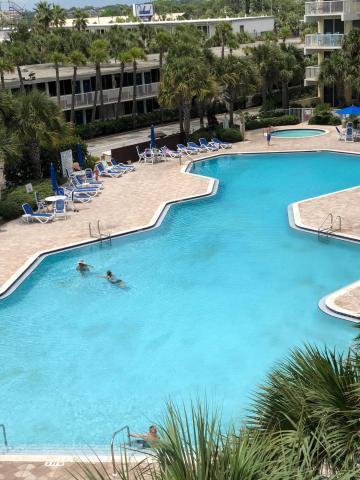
148, 438
83, 267
112, 279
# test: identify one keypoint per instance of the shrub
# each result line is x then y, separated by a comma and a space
323, 116
253, 124
90, 161
10, 205
229, 135
201, 133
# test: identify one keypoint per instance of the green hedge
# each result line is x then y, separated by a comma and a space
325, 119
225, 134
10, 205
253, 124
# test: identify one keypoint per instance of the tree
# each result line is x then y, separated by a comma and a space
40, 122
289, 66
57, 58
284, 33
58, 16
162, 41
80, 20
99, 53
123, 58
224, 36
43, 15
6, 65
135, 54
18, 53
76, 59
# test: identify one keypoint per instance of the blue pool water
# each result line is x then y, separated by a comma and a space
216, 295
298, 133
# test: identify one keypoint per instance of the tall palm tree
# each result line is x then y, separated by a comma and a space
18, 53
76, 59
162, 42
43, 15
289, 68
40, 122
99, 53
224, 35
58, 16
80, 20
57, 58
6, 66
123, 58
135, 54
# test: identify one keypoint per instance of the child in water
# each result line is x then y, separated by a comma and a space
112, 279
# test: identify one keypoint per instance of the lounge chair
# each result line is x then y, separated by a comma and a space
74, 196
41, 205
60, 209
122, 166
29, 214
341, 133
187, 150
170, 153
221, 144
89, 177
107, 172
77, 182
211, 147
199, 148
141, 155
349, 133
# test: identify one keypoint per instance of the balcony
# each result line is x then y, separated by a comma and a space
110, 96
345, 9
311, 75
323, 41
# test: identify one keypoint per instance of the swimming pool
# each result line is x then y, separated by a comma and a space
216, 295
298, 133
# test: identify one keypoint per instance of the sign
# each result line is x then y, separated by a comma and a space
66, 162
145, 11
29, 188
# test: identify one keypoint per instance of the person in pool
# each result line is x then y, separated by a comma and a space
149, 438
112, 279
83, 267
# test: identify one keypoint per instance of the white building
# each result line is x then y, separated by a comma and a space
252, 25
334, 19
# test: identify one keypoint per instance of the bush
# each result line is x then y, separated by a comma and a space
253, 124
201, 133
323, 116
229, 135
10, 205
90, 161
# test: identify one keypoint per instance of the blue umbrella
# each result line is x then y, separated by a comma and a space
80, 155
353, 110
53, 177
152, 137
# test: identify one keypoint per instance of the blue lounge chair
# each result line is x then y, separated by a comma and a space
89, 176
211, 147
74, 196
349, 133
186, 150
77, 182
107, 172
199, 148
60, 209
29, 214
122, 166
221, 144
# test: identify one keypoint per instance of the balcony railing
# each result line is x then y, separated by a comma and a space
324, 8
312, 73
323, 40
110, 96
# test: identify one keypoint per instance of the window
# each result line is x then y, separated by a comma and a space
128, 79
242, 28
356, 23
65, 87
149, 105
106, 82
155, 75
139, 79
140, 107
87, 85
52, 89
147, 77
40, 86
127, 108
333, 26
88, 114
79, 120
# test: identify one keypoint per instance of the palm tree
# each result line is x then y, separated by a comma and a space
288, 69
76, 59
58, 16
80, 20
99, 53
123, 58
57, 58
135, 53
162, 41
224, 35
40, 122
18, 54
43, 15
6, 66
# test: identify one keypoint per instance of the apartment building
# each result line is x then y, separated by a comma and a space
335, 18
42, 77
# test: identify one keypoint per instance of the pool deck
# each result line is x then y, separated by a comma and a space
136, 200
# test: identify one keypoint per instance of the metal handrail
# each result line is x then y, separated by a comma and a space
2, 426
101, 236
112, 446
331, 228
340, 223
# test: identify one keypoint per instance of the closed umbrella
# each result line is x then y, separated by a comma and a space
53, 177
352, 110
80, 155
152, 137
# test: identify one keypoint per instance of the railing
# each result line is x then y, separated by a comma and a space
324, 40
109, 95
312, 73
324, 8
112, 446
100, 235
2, 426
329, 226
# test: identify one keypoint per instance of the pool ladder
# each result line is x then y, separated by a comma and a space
3, 429
329, 225
99, 234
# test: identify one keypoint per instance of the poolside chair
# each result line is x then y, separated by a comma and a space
342, 135
41, 205
186, 150
211, 147
199, 148
149, 156
122, 166
77, 182
170, 153
107, 172
141, 155
221, 144
89, 177
349, 133
29, 214
75, 196
60, 209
